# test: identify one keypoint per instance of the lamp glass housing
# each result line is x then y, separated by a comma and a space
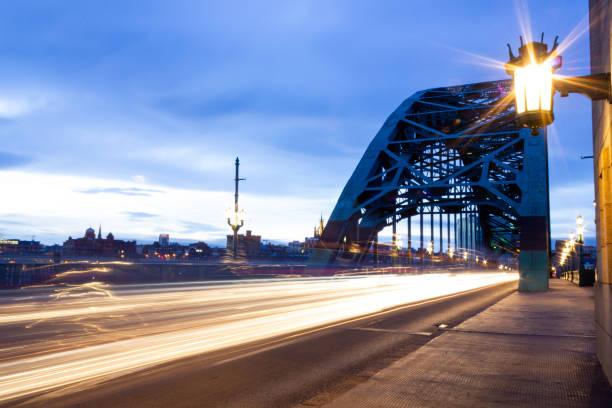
533, 88
532, 72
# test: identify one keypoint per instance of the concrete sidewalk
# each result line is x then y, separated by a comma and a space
528, 350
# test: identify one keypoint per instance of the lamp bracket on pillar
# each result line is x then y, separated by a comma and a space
595, 87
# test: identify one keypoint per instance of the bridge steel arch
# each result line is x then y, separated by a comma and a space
452, 153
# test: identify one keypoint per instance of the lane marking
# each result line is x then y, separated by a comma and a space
373, 329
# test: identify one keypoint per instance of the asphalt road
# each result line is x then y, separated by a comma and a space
303, 347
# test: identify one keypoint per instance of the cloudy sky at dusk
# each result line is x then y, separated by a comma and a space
130, 114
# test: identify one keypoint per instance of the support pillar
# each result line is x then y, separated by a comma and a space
534, 243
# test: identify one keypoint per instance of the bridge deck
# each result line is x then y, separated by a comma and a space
530, 349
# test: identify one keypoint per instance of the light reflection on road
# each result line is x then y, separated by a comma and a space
53, 337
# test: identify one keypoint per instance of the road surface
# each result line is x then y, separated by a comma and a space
276, 342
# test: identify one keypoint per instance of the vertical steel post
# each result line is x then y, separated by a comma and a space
422, 248
474, 248
394, 244
376, 249
410, 239
455, 232
441, 234
431, 230
467, 234
448, 234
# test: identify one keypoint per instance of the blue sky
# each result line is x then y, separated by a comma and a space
130, 114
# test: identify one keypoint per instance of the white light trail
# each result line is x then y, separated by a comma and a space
135, 327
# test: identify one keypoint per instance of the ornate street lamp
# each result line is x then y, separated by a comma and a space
532, 72
235, 218
534, 83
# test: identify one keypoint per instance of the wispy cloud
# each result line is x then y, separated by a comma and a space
190, 227
4, 221
129, 191
11, 108
13, 160
138, 215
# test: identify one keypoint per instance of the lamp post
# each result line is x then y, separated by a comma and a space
572, 251
565, 254
398, 242
235, 218
534, 82
580, 242
430, 248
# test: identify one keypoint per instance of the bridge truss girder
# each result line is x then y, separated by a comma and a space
452, 151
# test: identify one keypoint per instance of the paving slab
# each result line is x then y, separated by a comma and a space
528, 350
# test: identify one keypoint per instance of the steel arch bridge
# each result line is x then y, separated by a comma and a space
454, 156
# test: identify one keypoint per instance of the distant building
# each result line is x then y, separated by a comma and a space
312, 242
295, 247
247, 245
17, 246
269, 249
170, 251
89, 245
164, 239
198, 250
589, 254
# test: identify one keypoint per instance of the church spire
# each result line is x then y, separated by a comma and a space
318, 230
100, 232
321, 226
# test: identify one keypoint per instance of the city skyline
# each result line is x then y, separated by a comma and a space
131, 118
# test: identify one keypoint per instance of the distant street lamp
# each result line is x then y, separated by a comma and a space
534, 83
572, 251
235, 218
580, 228
398, 242
580, 241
